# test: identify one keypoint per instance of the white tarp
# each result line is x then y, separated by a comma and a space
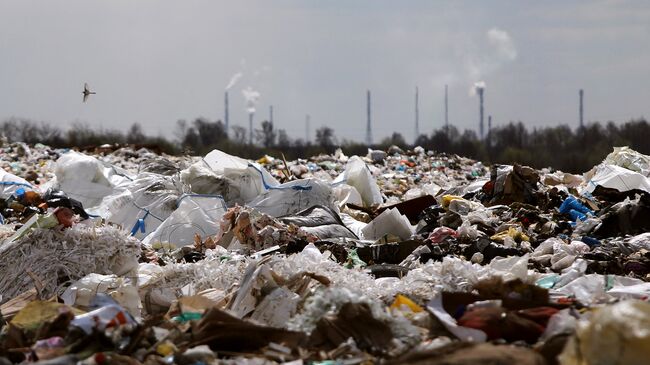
615, 177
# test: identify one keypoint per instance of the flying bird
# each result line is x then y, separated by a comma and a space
87, 92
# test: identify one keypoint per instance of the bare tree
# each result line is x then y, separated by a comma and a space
266, 136
325, 137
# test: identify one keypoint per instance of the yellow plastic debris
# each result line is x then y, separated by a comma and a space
36, 313
446, 199
401, 301
514, 233
165, 349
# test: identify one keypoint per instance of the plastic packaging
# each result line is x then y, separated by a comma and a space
196, 214
357, 174
102, 318
82, 292
292, 197
616, 334
390, 221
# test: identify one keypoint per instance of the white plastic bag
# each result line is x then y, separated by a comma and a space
615, 334
84, 290
143, 205
293, 197
82, 178
629, 159
246, 180
9, 183
389, 221
357, 174
615, 177
196, 214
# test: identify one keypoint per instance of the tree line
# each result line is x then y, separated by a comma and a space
559, 147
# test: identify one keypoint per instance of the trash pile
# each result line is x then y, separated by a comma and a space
125, 256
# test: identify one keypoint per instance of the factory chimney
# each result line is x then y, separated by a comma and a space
582, 95
368, 127
417, 114
250, 128
480, 91
307, 129
225, 113
446, 111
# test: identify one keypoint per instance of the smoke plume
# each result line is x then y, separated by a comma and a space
233, 80
251, 96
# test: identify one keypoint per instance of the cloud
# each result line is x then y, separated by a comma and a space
497, 50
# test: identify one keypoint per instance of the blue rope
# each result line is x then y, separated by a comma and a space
139, 224
15, 183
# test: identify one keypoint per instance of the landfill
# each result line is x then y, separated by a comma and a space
121, 256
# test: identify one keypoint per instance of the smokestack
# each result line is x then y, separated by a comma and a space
489, 124
250, 129
368, 127
480, 111
582, 95
225, 113
307, 128
271, 114
489, 134
417, 114
446, 110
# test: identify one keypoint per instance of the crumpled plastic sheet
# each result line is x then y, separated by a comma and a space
46, 255
617, 334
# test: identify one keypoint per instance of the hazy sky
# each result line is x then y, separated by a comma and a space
157, 61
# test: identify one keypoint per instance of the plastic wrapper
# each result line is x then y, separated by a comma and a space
292, 197
143, 205
86, 179
357, 174
389, 221
616, 334
195, 215
10, 183
82, 292
629, 159
615, 177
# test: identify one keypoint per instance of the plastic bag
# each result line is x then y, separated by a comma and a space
357, 174
616, 334
10, 183
293, 197
629, 159
196, 214
389, 221
246, 180
615, 177
87, 179
143, 205
82, 292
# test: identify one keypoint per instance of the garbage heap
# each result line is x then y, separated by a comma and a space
125, 256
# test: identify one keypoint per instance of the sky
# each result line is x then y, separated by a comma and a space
157, 61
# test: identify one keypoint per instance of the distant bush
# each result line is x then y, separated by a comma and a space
559, 147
